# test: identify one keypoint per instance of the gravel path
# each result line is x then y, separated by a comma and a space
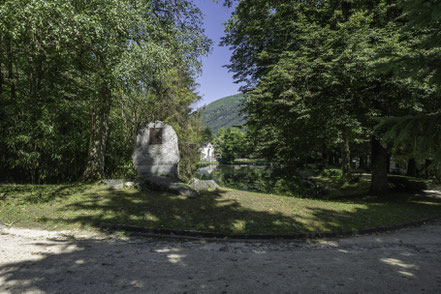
406, 261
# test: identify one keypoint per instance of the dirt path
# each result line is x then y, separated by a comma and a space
406, 261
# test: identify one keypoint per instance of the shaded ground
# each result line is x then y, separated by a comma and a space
227, 211
406, 261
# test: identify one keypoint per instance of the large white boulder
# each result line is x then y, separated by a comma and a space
156, 152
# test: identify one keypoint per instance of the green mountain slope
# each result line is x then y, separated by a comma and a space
224, 113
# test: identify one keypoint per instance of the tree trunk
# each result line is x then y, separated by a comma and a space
331, 159
1, 79
346, 158
100, 111
325, 157
427, 164
379, 183
363, 162
389, 156
10, 69
337, 160
411, 168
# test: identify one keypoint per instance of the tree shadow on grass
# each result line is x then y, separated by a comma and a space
218, 212
377, 211
224, 211
91, 266
210, 212
32, 194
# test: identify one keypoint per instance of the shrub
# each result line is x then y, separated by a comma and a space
331, 173
125, 170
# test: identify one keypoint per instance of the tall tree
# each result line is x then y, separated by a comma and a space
417, 58
66, 64
311, 70
230, 144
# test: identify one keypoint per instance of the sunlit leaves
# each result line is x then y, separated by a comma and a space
57, 56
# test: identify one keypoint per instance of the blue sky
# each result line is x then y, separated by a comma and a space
215, 82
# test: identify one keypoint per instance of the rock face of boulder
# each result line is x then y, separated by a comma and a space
203, 186
156, 158
112, 184
156, 152
167, 185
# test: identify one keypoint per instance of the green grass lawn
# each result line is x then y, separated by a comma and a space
226, 211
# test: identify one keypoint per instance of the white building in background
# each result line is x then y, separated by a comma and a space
207, 152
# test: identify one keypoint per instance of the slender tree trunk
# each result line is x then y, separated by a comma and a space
100, 111
10, 69
411, 168
379, 183
325, 157
1, 79
346, 158
330, 159
2, 59
427, 164
389, 156
363, 162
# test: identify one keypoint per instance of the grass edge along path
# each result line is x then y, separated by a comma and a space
58, 207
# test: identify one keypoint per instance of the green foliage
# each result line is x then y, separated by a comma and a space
331, 173
190, 138
311, 70
417, 57
423, 59
177, 97
421, 133
230, 144
264, 180
224, 113
207, 135
73, 96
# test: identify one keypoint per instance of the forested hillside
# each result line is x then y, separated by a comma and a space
224, 113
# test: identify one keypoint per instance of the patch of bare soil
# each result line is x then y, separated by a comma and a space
33, 261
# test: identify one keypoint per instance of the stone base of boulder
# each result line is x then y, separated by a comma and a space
114, 184
203, 185
167, 185
129, 184
117, 184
